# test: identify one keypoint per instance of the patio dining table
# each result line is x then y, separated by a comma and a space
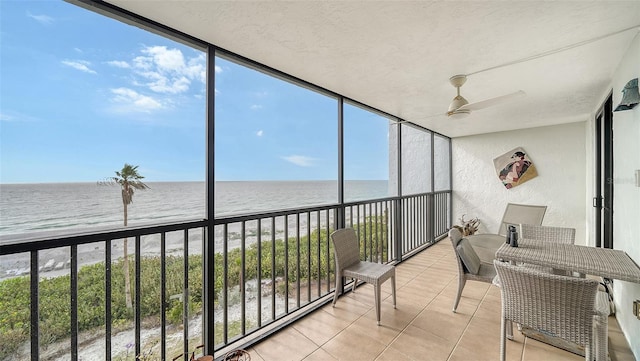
603, 262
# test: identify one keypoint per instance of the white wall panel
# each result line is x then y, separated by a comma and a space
559, 154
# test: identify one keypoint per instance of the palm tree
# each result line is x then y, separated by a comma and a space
129, 179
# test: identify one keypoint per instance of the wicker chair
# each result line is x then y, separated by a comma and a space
487, 244
515, 214
549, 234
348, 264
557, 305
567, 236
484, 272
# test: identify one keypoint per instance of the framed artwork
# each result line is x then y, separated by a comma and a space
514, 168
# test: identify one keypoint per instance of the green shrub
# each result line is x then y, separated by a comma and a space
55, 296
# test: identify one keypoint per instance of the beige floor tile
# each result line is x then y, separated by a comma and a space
392, 354
254, 355
397, 318
483, 338
288, 344
444, 303
488, 314
622, 356
422, 327
415, 296
354, 344
385, 333
319, 355
365, 294
347, 309
462, 353
419, 344
475, 290
538, 351
320, 326
618, 345
447, 325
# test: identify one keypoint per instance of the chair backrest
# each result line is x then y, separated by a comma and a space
556, 305
516, 214
548, 234
345, 247
455, 235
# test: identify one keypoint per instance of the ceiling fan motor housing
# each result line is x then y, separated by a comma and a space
456, 103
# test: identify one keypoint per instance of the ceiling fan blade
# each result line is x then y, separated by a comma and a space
493, 101
397, 122
435, 115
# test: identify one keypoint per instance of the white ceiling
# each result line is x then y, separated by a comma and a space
397, 56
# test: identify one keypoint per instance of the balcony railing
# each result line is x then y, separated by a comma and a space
269, 268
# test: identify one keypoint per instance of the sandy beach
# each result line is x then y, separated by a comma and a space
56, 262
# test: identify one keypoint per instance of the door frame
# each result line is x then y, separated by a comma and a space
604, 184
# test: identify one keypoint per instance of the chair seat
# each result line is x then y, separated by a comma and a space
486, 246
374, 273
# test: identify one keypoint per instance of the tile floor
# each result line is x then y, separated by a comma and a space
421, 328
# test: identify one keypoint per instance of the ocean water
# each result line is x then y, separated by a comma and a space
28, 208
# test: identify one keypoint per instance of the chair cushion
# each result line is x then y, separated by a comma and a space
468, 255
486, 245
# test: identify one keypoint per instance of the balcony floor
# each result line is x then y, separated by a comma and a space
422, 327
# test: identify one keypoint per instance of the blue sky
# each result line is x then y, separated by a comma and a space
81, 94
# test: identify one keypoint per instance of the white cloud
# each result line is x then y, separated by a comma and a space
167, 71
10, 116
166, 60
79, 65
256, 106
259, 133
42, 19
134, 101
119, 64
218, 69
168, 85
300, 160
197, 69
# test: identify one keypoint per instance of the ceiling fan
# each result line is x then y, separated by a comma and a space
460, 107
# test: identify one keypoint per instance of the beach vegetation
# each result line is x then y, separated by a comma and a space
302, 261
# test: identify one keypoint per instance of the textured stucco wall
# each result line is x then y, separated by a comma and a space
626, 199
559, 154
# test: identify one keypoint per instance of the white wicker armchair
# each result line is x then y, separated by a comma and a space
559, 306
567, 236
549, 234
348, 264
